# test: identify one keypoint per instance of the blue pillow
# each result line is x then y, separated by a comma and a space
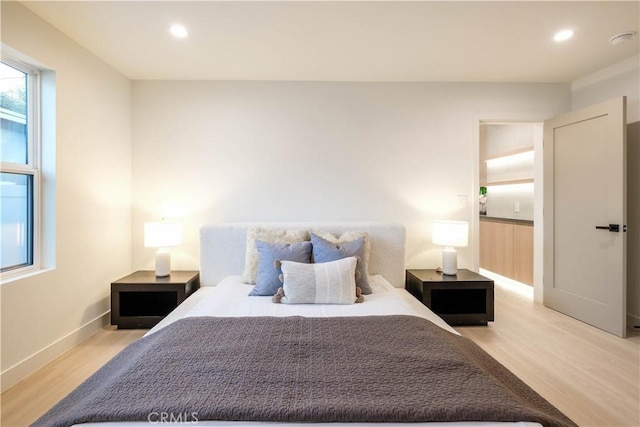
325, 251
268, 276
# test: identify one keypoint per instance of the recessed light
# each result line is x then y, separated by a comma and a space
563, 35
179, 31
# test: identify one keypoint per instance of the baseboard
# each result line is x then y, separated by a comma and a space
26, 367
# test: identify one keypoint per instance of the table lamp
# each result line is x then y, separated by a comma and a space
450, 234
162, 235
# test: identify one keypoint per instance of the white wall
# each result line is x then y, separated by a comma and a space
622, 79
45, 314
245, 151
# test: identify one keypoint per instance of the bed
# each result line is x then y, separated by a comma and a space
224, 358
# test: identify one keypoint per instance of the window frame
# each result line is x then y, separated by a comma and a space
32, 166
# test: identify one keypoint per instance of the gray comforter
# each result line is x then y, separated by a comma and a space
365, 369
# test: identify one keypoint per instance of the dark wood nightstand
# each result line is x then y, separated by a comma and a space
140, 300
463, 299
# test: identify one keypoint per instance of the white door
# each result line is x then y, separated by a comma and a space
584, 200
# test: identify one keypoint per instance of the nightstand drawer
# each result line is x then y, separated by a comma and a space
464, 299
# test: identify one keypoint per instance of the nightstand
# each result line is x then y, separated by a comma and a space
140, 300
463, 299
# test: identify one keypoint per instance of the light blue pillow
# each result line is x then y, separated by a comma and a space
325, 251
268, 276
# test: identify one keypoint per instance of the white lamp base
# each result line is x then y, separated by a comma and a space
163, 262
449, 261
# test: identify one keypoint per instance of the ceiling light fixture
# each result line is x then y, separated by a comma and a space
179, 31
563, 35
622, 37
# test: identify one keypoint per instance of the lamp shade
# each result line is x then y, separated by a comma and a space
450, 233
162, 234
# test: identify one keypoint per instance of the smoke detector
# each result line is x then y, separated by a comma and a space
622, 37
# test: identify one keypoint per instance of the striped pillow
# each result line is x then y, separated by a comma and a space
326, 283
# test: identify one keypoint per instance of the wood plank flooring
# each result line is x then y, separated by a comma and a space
589, 374
25, 402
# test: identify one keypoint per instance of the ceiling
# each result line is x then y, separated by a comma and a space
350, 41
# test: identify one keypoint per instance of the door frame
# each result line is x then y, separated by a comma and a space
538, 230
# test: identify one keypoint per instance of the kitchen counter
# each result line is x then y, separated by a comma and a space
506, 220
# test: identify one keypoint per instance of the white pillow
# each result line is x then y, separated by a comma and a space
269, 236
326, 283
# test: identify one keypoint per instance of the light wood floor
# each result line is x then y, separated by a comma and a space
591, 376
25, 402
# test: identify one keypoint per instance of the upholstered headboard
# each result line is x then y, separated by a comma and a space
222, 247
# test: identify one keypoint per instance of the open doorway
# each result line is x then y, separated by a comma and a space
509, 165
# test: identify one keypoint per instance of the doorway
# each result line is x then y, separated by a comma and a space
509, 169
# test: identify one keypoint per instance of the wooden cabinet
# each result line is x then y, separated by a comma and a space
523, 253
506, 248
487, 245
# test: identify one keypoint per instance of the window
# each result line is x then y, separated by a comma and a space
19, 155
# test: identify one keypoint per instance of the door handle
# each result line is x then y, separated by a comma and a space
614, 228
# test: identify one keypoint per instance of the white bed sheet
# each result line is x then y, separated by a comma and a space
230, 299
